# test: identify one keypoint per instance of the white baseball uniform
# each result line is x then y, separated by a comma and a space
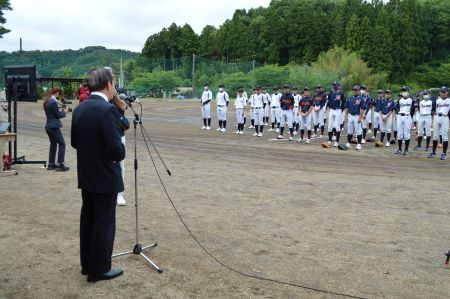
404, 119
258, 110
275, 108
297, 99
266, 104
222, 99
440, 126
424, 117
206, 103
240, 104
250, 102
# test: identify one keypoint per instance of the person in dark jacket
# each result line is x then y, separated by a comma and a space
96, 135
53, 128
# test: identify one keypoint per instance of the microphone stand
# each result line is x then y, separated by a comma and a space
138, 248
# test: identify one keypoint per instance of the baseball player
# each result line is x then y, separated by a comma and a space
275, 109
305, 114
246, 100
206, 107
355, 108
394, 119
367, 119
377, 105
319, 113
336, 102
404, 121
415, 112
423, 115
258, 112
387, 113
441, 119
240, 104
266, 96
250, 102
286, 105
296, 120
222, 100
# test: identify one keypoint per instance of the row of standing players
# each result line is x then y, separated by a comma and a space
303, 112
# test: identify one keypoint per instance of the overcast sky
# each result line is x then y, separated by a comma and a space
116, 24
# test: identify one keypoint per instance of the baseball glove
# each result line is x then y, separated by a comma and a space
342, 147
379, 144
326, 145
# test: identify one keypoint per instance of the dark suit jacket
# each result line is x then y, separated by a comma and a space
53, 114
96, 135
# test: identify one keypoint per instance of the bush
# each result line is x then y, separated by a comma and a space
156, 82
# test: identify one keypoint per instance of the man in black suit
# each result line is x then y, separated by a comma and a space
96, 135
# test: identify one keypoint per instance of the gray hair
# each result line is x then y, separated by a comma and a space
98, 78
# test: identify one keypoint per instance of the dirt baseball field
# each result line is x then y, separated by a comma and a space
364, 223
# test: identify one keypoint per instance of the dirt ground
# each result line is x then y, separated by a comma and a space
366, 223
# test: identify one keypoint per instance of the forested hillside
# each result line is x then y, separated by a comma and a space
66, 63
393, 37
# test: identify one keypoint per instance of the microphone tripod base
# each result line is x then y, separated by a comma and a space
138, 251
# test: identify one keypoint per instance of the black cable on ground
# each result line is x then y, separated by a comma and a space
211, 255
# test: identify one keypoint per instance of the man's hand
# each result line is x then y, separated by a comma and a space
119, 102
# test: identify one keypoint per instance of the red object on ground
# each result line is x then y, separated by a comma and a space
6, 161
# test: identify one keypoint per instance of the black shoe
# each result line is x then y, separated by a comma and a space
111, 274
51, 167
83, 271
62, 167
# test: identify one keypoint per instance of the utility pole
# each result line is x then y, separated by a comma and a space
193, 75
121, 75
20, 46
253, 73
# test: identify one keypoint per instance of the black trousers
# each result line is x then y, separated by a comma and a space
97, 231
56, 138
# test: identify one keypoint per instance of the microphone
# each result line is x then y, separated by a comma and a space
126, 98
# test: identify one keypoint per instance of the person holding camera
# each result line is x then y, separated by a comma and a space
53, 129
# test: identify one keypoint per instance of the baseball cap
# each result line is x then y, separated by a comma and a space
336, 83
286, 86
221, 86
405, 88
319, 85
275, 88
306, 88
380, 91
425, 92
356, 87
295, 88
363, 87
443, 89
388, 91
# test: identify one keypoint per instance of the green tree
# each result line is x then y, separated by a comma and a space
188, 41
351, 34
271, 76
4, 5
156, 82
379, 55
